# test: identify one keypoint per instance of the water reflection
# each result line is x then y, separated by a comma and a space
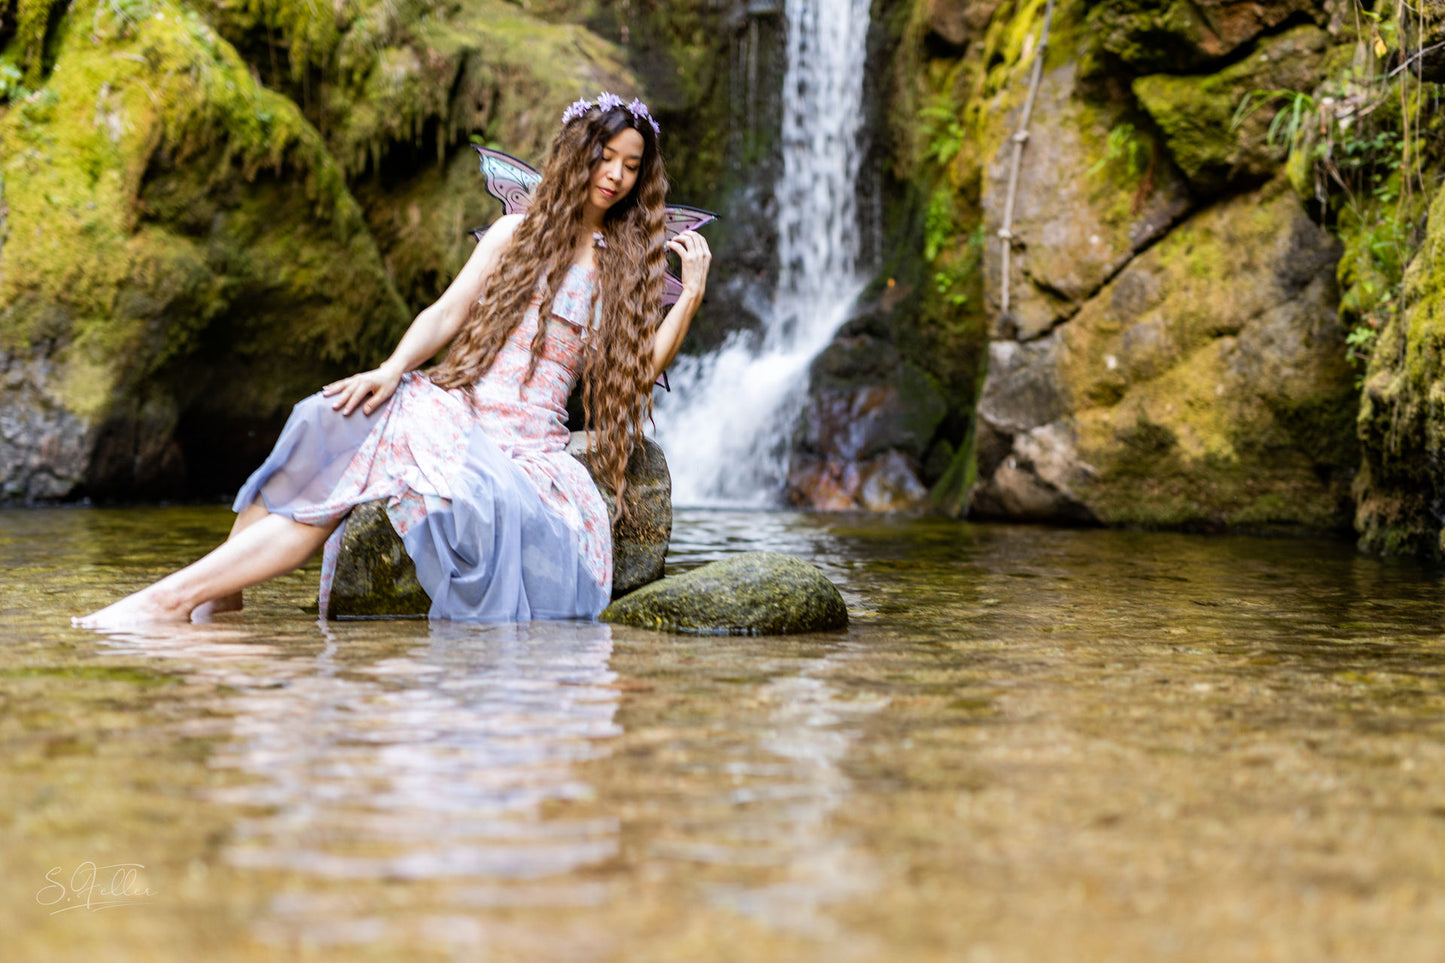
436, 760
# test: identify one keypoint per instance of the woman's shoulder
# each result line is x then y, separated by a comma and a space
506, 225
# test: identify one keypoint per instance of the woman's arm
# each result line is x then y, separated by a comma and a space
696, 258
432, 330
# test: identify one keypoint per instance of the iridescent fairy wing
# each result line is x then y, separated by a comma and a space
676, 219
508, 179
679, 217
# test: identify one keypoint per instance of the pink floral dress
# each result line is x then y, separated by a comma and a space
500, 521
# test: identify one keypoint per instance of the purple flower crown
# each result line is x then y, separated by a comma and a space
609, 101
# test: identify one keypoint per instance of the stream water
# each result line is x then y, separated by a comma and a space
1030, 745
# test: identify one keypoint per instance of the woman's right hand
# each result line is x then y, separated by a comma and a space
373, 387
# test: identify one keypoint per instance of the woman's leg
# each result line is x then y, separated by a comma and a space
266, 546
245, 518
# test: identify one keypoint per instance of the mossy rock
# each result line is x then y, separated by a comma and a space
758, 593
1401, 422
1198, 114
1169, 35
376, 577
192, 259
1204, 388
639, 544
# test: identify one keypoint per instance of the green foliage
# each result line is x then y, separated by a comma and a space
952, 280
943, 131
939, 226
1296, 109
11, 87
1124, 148
1356, 149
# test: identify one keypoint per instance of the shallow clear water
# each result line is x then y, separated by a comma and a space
1031, 744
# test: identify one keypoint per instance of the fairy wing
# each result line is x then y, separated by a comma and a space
508, 179
679, 217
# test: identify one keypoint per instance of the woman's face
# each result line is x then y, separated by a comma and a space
616, 173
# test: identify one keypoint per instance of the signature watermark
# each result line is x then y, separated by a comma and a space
93, 887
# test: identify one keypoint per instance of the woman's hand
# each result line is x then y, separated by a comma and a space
696, 259
376, 385
692, 249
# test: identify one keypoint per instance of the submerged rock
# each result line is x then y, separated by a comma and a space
758, 593
375, 576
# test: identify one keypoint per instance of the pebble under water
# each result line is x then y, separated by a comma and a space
1031, 744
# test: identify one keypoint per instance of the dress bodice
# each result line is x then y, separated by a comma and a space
534, 413
573, 301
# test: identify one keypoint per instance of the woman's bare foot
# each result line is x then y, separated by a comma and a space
146, 607
226, 603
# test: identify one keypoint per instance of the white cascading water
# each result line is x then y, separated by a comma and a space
726, 424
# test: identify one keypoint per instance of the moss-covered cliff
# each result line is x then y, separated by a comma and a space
1176, 349
208, 210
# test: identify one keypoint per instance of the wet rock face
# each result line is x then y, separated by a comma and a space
375, 576
869, 420
758, 593
42, 446
1204, 387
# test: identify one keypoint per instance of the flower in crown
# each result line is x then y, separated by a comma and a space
639, 112
578, 109
606, 101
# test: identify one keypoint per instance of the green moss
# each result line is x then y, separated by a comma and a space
32, 28
1197, 114
756, 593
1151, 35
1402, 414
1192, 406
125, 277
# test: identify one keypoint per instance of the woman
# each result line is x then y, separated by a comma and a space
500, 521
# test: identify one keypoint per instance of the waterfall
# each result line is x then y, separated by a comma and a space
726, 424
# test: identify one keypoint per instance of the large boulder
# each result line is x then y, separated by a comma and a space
210, 209
1204, 387
375, 576
757, 593
178, 254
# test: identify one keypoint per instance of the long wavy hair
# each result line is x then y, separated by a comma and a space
616, 375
